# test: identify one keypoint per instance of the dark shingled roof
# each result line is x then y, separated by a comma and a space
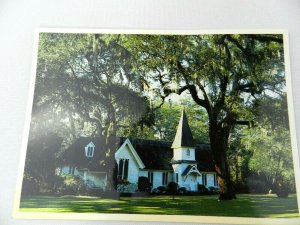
75, 154
155, 154
183, 137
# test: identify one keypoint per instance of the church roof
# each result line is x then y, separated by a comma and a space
155, 154
183, 137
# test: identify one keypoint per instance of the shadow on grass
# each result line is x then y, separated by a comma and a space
245, 206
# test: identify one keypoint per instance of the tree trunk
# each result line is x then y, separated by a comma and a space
111, 146
219, 140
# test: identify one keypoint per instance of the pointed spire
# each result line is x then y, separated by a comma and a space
183, 137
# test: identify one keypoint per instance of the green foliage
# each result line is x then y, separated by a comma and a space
226, 75
30, 185
202, 189
41, 162
167, 117
172, 188
87, 82
239, 156
272, 158
74, 185
161, 189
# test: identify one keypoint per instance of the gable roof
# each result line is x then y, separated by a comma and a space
133, 152
190, 169
183, 137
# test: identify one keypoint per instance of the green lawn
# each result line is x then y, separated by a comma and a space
246, 205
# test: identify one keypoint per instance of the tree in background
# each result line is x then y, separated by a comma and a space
239, 155
40, 165
271, 145
85, 85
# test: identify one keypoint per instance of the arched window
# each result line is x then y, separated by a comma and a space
123, 169
89, 150
188, 152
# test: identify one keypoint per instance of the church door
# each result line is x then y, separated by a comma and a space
192, 182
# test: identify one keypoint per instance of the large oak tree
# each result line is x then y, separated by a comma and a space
224, 74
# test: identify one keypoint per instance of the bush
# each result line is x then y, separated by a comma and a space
30, 185
127, 188
155, 191
213, 190
161, 190
202, 189
144, 184
241, 188
182, 190
172, 188
257, 186
96, 192
74, 186
281, 190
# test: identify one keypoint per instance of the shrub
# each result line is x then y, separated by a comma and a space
182, 190
74, 185
202, 189
213, 190
127, 187
30, 185
161, 190
281, 190
144, 184
240, 187
257, 186
172, 188
155, 191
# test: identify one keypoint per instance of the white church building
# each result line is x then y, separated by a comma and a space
183, 161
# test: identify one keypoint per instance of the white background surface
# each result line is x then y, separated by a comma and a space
18, 20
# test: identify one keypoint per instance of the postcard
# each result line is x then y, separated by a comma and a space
177, 126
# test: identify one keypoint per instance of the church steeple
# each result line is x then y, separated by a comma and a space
183, 137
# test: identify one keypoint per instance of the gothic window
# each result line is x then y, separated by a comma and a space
150, 177
204, 179
89, 150
123, 169
164, 178
188, 152
71, 170
215, 180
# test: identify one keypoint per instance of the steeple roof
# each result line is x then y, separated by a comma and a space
183, 137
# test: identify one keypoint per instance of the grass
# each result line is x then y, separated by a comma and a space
246, 205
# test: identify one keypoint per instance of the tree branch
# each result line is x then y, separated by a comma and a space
265, 38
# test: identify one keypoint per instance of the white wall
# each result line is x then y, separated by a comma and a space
133, 169
18, 19
210, 180
181, 154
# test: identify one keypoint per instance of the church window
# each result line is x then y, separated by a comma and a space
71, 170
150, 177
204, 179
89, 150
176, 177
215, 180
164, 178
123, 169
188, 152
